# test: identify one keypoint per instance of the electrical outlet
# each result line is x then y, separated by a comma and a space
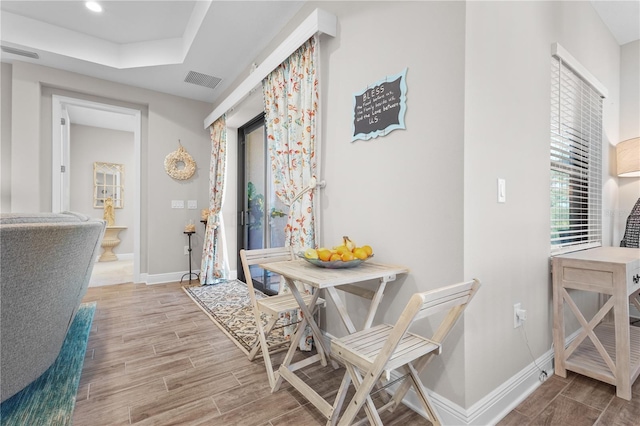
519, 315
186, 250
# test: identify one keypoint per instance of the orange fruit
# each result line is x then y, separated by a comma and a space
360, 253
334, 257
347, 256
368, 249
324, 254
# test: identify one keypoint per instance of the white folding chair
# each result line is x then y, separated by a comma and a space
271, 306
370, 353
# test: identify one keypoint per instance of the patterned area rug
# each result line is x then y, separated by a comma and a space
229, 307
51, 398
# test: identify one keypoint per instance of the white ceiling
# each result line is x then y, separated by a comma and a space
155, 44
621, 17
148, 44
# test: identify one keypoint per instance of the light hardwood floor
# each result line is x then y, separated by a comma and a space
154, 358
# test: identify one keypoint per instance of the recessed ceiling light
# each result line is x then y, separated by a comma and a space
93, 6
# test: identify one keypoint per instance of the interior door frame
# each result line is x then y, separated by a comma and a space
60, 153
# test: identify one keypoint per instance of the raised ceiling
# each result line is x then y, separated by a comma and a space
156, 44
149, 44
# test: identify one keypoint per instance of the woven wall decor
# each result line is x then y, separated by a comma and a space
173, 160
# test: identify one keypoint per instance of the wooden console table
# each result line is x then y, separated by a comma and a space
611, 353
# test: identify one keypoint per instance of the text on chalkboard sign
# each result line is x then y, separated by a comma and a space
380, 109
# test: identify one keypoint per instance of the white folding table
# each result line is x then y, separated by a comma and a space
330, 280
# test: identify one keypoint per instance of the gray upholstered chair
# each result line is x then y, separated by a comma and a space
46, 265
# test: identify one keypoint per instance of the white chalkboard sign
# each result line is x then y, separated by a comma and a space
380, 108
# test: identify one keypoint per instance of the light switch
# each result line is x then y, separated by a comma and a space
177, 204
502, 190
192, 204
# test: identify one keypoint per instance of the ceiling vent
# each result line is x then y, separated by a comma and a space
202, 79
20, 52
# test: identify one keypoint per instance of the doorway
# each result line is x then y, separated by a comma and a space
261, 214
107, 116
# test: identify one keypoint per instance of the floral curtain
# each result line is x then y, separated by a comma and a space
291, 101
215, 266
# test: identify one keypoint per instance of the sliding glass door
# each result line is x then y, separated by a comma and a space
261, 215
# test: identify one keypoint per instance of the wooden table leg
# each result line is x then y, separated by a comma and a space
373, 308
307, 313
307, 318
342, 309
558, 324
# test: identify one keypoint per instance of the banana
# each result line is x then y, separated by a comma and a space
348, 243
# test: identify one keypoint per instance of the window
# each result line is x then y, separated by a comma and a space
576, 158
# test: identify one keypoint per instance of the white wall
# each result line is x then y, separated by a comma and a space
401, 193
165, 120
507, 102
629, 188
93, 144
5, 138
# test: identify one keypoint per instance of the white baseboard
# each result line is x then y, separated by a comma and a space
494, 406
169, 277
499, 402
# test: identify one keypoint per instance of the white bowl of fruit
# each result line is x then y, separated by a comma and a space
345, 255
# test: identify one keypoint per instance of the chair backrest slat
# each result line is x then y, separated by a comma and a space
257, 256
430, 309
453, 298
253, 257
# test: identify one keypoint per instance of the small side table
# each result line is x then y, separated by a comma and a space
604, 350
189, 234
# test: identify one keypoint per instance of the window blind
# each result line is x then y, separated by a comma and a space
576, 161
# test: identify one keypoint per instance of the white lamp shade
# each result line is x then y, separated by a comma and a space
628, 158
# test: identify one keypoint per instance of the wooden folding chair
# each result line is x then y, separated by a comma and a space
370, 353
272, 306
